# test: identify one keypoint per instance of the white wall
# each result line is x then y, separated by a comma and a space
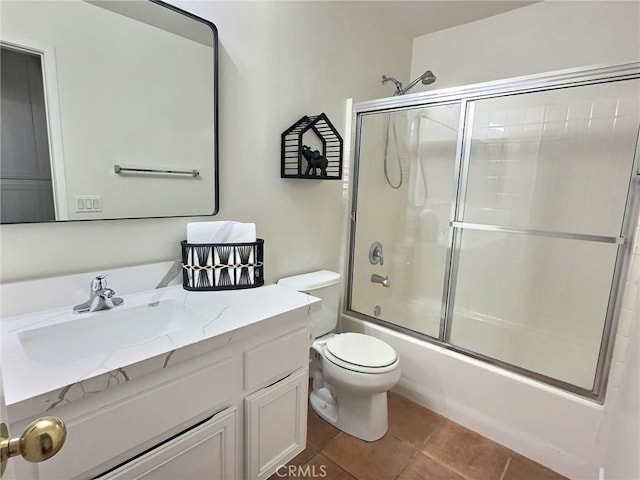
546, 36
278, 61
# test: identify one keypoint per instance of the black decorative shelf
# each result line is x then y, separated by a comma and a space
301, 161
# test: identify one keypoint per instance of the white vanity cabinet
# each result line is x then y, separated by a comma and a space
230, 407
114, 427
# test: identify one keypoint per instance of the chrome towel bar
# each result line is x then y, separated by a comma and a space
118, 169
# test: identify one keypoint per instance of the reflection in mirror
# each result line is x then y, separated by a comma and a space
87, 86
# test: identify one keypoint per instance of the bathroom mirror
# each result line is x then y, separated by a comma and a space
108, 111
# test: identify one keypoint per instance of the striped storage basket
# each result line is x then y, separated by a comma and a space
222, 266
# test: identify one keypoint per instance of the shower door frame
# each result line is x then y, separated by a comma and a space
465, 96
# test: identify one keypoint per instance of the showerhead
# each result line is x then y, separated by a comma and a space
427, 78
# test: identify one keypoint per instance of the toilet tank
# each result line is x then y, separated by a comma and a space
324, 285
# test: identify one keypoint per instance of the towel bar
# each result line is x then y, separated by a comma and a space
118, 169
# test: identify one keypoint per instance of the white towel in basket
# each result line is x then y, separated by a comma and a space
221, 232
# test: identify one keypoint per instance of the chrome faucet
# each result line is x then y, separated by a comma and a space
384, 281
102, 297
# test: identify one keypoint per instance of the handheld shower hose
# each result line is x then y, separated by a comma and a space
426, 78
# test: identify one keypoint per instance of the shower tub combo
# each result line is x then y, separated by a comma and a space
491, 230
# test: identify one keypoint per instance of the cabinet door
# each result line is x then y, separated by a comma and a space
276, 424
206, 452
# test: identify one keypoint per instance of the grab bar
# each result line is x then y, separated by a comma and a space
118, 169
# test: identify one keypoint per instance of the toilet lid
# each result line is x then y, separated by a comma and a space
361, 350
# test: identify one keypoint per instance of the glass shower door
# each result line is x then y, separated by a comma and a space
406, 190
538, 229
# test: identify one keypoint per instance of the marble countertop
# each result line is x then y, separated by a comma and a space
48, 354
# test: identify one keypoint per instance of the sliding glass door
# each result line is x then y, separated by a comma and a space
545, 183
496, 220
406, 189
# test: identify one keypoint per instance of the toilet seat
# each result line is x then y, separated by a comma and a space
360, 353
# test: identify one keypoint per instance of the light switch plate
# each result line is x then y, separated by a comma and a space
88, 203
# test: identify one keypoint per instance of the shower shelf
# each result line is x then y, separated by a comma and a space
299, 160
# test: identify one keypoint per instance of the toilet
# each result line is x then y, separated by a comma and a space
351, 372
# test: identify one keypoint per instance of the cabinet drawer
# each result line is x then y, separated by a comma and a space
100, 436
205, 452
276, 358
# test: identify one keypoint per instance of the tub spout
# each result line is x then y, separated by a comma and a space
384, 281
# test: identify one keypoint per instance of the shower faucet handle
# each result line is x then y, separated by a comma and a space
375, 254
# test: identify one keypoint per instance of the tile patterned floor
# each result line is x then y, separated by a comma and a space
420, 445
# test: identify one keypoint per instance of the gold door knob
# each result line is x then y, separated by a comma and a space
41, 440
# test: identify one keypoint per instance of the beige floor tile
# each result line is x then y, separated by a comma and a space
304, 456
421, 467
319, 431
466, 452
383, 459
521, 468
410, 421
280, 474
300, 459
321, 467
420, 445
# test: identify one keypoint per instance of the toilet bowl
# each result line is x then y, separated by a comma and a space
351, 372
351, 375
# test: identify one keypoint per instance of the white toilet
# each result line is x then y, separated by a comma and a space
351, 372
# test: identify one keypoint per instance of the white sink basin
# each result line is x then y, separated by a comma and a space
107, 331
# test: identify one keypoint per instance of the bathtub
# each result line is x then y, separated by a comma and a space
558, 429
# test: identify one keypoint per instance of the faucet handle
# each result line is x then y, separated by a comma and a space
99, 283
375, 253
108, 293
